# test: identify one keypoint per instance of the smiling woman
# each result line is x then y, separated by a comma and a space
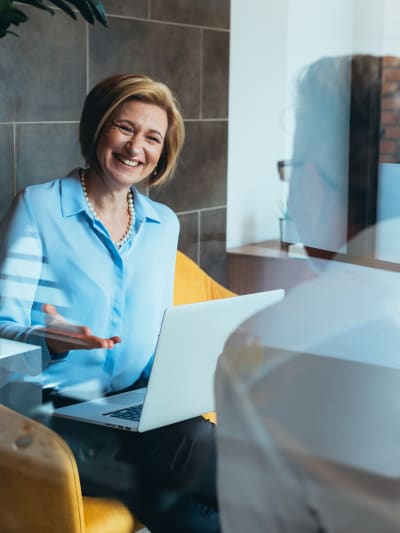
131, 144
103, 102
130, 131
102, 268
128, 151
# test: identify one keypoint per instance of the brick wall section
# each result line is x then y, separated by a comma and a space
389, 150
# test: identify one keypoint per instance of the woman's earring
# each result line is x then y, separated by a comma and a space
155, 172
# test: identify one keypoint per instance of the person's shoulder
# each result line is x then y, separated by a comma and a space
38, 195
47, 189
44, 188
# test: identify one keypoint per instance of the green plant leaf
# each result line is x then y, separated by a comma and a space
39, 4
14, 16
90, 10
83, 9
3, 9
65, 7
5, 5
3, 29
99, 11
10, 15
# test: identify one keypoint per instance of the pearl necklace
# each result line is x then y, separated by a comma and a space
131, 210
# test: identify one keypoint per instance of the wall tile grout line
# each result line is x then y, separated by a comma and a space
24, 122
198, 236
205, 119
201, 73
149, 19
87, 58
14, 171
168, 22
191, 211
28, 123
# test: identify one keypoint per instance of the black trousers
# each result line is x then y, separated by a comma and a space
166, 476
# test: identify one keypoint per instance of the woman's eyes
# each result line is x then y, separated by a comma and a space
130, 131
126, 129
154, 139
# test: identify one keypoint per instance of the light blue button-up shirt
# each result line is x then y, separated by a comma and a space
54, 251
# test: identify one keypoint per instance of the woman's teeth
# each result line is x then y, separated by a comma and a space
129, 162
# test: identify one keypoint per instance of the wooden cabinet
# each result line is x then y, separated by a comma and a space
265, 266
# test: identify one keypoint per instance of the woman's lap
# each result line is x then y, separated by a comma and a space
166, 476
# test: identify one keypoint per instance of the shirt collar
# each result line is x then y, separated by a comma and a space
73, 202
144, 208
72, 199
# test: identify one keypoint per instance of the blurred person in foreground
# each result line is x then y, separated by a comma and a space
308, 391
87, 270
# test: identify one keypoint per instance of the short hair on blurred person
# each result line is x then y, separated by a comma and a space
338, 125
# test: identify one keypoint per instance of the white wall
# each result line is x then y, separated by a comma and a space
368, 27
270, 41
316, 28
256, 103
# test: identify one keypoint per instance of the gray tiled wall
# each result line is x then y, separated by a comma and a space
47, 71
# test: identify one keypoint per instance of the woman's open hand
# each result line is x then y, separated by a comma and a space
62, 336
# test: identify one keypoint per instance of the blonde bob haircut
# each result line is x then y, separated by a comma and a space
107, 95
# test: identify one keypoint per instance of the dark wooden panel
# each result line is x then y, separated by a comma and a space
248, 272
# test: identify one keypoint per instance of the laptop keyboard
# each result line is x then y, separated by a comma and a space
128, 413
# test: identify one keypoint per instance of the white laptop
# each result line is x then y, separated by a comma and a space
181, 383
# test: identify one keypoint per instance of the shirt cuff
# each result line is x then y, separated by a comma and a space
36, 336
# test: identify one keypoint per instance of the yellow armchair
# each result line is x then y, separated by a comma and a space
192, 285
40, 490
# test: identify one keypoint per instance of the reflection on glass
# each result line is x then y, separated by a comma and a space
307, 390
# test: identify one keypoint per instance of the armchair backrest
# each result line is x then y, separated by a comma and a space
39, 479
192, 284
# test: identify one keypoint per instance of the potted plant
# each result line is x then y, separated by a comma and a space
10, 15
